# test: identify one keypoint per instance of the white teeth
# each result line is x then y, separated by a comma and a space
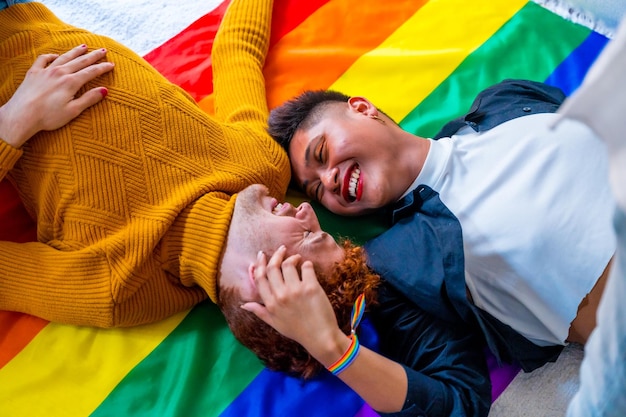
277, 208
354, 180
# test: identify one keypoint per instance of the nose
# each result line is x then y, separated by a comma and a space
306, 214
330, 180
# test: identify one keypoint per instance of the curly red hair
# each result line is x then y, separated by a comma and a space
348, 279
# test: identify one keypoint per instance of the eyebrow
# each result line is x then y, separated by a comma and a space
307, 150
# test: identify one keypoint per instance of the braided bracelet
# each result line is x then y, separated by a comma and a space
350, 354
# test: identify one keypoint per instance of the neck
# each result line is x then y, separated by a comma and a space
414, 150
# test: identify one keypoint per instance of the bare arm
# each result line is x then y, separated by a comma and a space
430, 367
46, 98
382, 383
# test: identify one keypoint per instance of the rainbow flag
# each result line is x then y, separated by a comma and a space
420, 61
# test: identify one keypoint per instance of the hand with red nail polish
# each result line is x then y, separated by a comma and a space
47, 98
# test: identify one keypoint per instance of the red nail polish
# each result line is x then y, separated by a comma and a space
104, 91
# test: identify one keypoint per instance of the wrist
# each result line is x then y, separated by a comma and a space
331, 348
12, 131
348, 356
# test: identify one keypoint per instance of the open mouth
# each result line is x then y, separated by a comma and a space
352, 184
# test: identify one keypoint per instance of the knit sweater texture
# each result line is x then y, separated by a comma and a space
133, 199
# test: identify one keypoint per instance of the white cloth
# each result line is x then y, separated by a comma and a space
535, 209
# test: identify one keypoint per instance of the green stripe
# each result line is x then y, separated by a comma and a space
198, 370
529, 46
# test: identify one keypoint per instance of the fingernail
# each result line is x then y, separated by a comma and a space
83, 46
104, 91
259, 255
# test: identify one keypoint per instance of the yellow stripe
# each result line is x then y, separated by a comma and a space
69, 371
423, 52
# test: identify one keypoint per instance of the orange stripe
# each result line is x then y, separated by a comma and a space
16, 331
307, 57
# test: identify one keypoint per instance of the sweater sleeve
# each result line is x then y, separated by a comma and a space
63, 286
8, 158
239, 53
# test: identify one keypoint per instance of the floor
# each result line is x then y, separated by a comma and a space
544, 392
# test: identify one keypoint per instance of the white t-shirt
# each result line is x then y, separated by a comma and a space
536, 211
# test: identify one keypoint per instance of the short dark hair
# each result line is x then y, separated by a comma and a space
348, 279
300, 112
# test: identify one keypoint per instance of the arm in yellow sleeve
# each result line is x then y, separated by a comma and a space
239, 53
63, 286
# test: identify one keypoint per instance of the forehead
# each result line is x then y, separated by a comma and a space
305, 142
319, 121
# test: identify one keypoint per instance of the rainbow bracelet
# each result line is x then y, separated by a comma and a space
350, 354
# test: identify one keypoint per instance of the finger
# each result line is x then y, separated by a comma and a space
258, 310
267, 291
69, 55
289, 267
308, 273
89, 98
89, 73
86, 61
274, 267
44, 60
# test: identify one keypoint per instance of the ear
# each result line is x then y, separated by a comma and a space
363, 106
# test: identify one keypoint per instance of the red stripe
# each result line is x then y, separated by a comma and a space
288, 14
193, 71
16, 331
17, 225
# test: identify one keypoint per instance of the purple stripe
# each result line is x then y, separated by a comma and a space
366, 411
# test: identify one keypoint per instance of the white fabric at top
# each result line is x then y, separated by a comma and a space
509, 185
141, 25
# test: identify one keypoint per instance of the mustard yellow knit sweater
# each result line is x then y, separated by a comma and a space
133, 199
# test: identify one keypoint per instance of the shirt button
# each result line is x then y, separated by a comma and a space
526, 109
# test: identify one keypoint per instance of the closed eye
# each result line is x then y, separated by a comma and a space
317, 195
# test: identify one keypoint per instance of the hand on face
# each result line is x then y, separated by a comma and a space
293, 302
46, 98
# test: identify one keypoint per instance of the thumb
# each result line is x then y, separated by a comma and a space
258, 310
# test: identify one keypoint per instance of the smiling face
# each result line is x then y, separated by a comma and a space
350, 159
261, 223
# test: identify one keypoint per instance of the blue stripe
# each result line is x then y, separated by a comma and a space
570, 73
276, 394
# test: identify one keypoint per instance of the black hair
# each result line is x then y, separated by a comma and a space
300, 112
